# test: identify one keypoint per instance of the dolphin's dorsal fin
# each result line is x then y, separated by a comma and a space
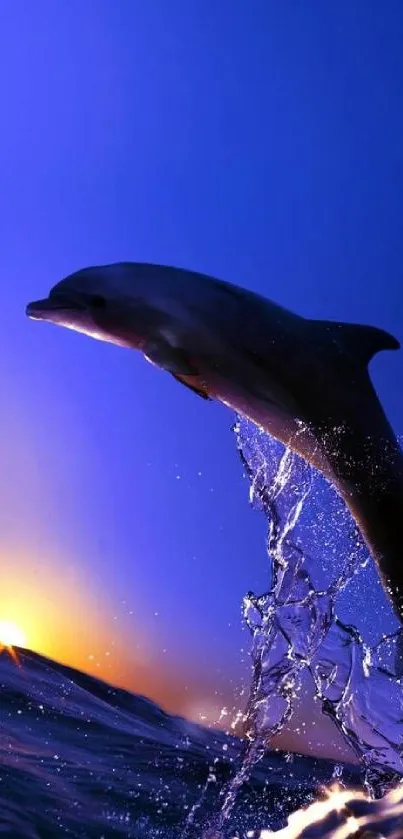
362, 342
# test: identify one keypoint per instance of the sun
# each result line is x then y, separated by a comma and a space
11, 635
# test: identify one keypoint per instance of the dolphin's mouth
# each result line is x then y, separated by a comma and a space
43, 309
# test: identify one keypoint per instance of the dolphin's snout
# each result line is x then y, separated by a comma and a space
39, 308
43, 309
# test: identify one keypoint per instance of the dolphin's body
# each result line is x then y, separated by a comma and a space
306, 382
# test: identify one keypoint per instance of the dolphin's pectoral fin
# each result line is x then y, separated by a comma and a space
172, 359
195, 388
362, 342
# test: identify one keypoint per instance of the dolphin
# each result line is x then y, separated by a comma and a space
305, 382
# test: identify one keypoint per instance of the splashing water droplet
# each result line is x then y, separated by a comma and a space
319, 565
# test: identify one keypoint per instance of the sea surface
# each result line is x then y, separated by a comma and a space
79, 758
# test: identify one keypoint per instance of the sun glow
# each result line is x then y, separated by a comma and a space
11, 635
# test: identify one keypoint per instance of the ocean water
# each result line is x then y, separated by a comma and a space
81, 759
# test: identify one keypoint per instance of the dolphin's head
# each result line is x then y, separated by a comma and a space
110, 302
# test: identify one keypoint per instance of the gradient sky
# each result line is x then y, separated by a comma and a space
259, 142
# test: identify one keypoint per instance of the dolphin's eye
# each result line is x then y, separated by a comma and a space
97, 301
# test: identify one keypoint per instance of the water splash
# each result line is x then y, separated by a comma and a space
310, 621
344, 814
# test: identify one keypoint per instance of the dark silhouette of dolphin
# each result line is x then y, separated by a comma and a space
306, 382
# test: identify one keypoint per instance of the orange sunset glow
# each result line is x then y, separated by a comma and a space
11, 635
49, 601
51, 608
